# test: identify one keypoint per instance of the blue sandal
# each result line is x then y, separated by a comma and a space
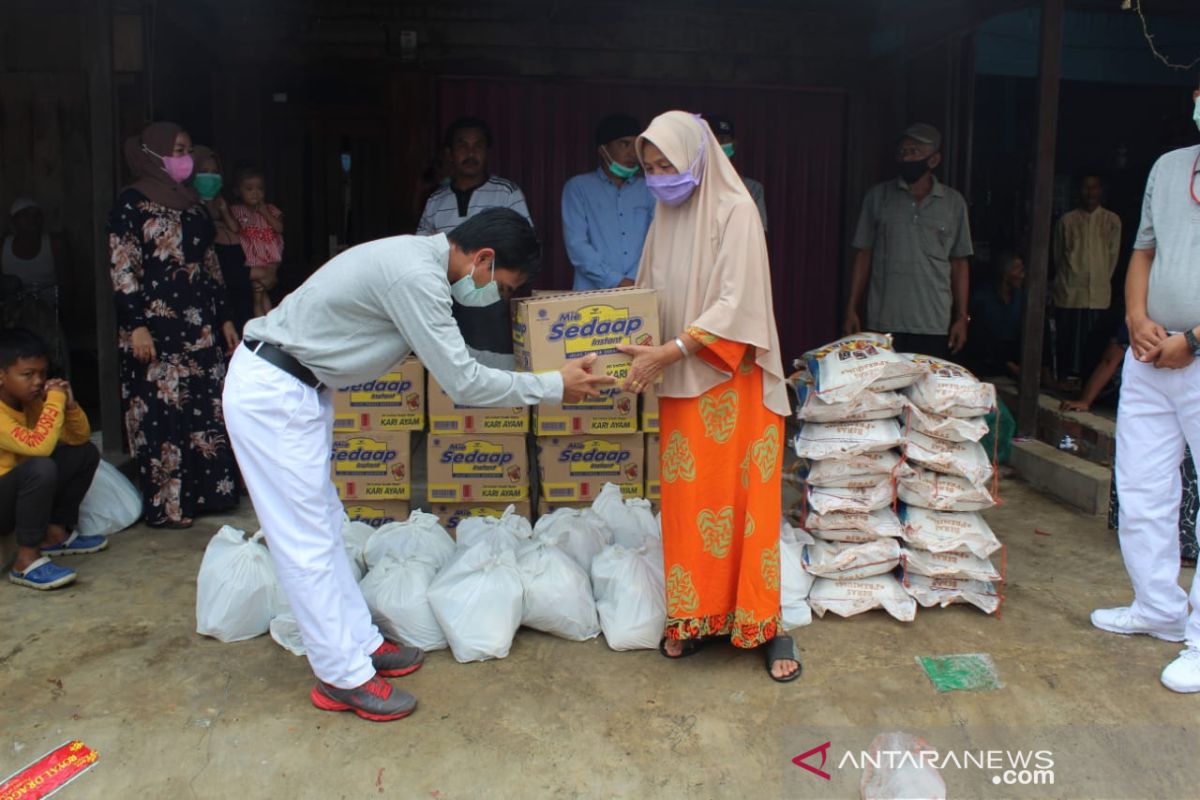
43, 574
75, 545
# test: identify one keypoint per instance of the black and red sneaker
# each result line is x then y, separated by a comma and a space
393, 660
375, 700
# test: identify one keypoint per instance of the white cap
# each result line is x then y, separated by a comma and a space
20, 204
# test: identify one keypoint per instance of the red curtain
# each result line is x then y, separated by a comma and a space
791, 139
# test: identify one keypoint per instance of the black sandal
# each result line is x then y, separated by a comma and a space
690, 647
782, 648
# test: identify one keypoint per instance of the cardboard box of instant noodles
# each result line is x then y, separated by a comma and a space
379, 513
550, 330
653, 468
451, 514
372, 465
575, 468
477, 468
395, 401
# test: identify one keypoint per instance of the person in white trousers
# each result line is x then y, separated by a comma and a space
1159, 412
356, 317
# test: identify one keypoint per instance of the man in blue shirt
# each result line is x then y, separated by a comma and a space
606, 213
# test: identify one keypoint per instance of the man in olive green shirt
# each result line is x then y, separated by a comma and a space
913, 241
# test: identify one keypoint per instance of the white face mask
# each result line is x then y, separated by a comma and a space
468, 294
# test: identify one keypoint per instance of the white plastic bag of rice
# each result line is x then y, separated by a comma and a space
854, 526
940, 426
943, 531
795, 581
946, 388
966, 459
844, 369
928, 489
839, 439
943, 592
871, 498
421, 534
854, 472
847, 598
950, 564
845, 561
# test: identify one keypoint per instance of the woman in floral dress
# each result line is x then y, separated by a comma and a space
173, 333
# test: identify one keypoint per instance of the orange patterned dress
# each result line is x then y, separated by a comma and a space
722, 459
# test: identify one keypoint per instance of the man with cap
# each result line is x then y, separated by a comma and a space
607, 212
913, 240
722, 128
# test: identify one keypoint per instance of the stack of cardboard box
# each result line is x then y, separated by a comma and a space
371, 459
580, 447
477, 461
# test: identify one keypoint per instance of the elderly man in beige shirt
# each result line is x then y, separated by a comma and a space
1087, 243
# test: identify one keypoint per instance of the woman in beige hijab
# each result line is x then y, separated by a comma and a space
722, 396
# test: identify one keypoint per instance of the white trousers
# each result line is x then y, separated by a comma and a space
1158, 414
281, 432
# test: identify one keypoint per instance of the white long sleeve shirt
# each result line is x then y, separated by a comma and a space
370, 306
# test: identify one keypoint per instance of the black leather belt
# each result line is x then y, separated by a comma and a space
276, 356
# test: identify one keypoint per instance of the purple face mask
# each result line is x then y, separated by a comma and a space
672, 190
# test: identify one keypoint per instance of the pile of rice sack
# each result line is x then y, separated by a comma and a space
947, 543
877, 426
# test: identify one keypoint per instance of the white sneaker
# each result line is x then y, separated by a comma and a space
1124, 620
1183, 674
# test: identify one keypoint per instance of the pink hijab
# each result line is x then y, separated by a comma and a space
707, 257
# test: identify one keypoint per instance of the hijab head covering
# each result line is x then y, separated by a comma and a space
149, 176
707, 257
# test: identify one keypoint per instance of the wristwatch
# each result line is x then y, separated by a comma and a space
1190, 336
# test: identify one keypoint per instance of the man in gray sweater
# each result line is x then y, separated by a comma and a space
356, 317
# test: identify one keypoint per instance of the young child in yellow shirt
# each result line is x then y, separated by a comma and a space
46, 464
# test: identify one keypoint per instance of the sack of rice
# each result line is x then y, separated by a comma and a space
965, 459
944, 531
950, 564
864, 499
943, 592
810, 407
946, 388
929, 489
847, 598
854, 526
854, 472
842, 561
844, 369
818, 440
940, 426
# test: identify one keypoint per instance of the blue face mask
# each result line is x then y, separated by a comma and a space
1196, 113
468, 294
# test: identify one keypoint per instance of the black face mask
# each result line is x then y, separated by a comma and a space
912, 171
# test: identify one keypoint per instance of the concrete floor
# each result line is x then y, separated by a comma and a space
114, 661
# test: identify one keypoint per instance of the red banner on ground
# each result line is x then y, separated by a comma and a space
49, 773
